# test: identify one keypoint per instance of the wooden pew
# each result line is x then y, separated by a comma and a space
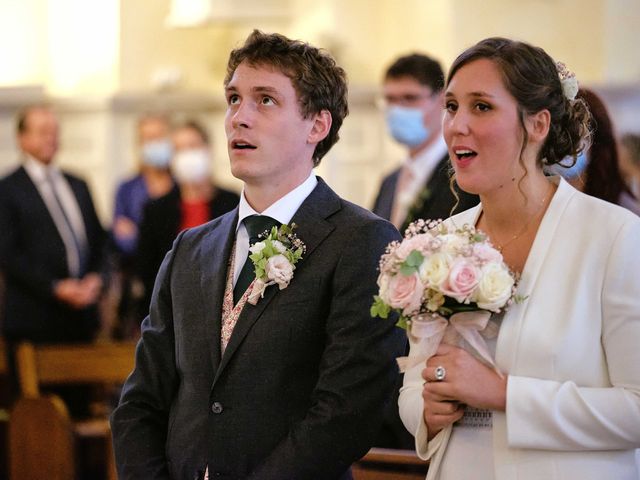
390, 464
41, 441
102, 364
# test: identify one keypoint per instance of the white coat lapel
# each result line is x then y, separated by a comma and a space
507, 345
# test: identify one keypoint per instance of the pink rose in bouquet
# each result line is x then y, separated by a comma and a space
462, 280
405, 292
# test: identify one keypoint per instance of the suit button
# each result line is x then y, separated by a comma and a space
216, 407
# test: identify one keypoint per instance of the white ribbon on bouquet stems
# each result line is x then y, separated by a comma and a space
427, 331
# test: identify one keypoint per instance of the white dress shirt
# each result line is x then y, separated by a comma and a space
42, 175
282, 210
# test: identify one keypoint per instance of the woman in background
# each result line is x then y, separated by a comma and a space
153, 180
630, 163
596, 171
195, 200
568, 405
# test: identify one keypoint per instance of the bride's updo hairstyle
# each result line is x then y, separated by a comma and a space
532, 78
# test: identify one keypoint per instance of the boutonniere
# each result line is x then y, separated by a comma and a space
274, 259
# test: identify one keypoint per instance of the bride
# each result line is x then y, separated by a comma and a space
568, 406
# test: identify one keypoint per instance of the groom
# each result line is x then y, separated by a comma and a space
294, 386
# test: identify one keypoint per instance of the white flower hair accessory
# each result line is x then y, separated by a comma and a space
568, 81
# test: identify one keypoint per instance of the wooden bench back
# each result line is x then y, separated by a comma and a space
37, 420
72, 364
41, 440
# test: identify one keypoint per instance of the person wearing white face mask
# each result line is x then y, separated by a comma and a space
194, 201
420, 188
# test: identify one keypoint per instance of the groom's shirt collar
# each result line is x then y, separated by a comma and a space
283, 211
285, 208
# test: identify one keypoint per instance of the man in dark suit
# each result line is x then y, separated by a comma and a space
420, 188
51, 250
292, 387
51, 246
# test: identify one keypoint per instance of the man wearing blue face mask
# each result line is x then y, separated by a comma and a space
420, 187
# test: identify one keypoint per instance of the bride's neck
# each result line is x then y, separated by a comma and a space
505, 207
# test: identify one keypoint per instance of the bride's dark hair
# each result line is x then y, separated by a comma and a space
531, 77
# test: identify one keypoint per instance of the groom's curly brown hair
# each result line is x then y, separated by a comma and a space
319, 82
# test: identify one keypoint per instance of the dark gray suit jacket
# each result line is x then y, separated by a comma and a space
436, 203
299, 391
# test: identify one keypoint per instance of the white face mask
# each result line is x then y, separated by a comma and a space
192, 165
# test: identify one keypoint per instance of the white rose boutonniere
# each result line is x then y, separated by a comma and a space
274, 260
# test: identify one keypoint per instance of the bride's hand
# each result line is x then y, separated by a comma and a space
466, 380
438, 412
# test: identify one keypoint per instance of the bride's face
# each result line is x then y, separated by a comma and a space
482, 128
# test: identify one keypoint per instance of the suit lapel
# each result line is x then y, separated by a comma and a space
30, 190
431, 196
507, 346
214, 258
44, 219
389, 193
312, 229
438, 188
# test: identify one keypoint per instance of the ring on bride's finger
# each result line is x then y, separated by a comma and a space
440, 373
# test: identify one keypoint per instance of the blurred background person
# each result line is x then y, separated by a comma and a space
195, 200
596, 170
51, 246
153, 180
629, 161
420, 188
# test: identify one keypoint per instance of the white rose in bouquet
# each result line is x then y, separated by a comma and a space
435, 269
495, 287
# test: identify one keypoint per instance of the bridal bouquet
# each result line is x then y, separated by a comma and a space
444, 282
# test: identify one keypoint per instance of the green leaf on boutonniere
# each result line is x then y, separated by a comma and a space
279, 241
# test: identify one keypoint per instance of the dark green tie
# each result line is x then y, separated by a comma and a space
255, 225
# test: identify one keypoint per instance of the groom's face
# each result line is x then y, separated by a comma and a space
267, 136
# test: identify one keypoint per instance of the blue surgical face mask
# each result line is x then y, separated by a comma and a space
157, 153
572, 172
407, 125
